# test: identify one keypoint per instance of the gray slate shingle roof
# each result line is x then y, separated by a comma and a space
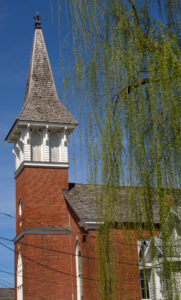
82, 198
82, 201
7, 294
41, 100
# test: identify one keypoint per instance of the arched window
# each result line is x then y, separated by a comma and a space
20, 207
79, 272
54, 147
36, 146
19, 278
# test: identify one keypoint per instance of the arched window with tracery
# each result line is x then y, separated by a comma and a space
54, 147
78, 261
19, 278
36, 146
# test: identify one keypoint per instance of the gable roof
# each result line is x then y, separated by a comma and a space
86, 201
82, 198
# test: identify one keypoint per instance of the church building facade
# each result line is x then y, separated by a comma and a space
56, 221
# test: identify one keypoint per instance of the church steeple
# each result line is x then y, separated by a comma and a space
41, 100
40, 138
42, 113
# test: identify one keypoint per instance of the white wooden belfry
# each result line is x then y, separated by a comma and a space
41, 146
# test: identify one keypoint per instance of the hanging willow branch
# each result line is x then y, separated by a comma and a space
127, 78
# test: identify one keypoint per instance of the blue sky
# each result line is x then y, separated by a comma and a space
16, 37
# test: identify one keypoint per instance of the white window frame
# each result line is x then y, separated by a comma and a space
146, 281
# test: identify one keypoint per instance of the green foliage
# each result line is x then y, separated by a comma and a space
128, 77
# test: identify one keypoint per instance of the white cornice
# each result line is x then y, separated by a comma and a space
16, 129
40, 164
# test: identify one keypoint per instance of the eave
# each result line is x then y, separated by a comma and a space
15, 129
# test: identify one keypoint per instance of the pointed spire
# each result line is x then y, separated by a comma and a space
41, 101
37, 21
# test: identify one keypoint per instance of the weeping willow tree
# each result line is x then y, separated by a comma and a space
127, 77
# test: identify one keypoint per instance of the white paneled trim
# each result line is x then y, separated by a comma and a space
64, 147
36, 145
60, 146
55, 146
21, 148
16, 153
27, 144
45, 146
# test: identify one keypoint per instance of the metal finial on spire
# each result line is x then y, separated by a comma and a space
37, 21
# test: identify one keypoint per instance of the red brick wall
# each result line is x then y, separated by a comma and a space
47, 274
128, 281
42, 199
87, 245
49, 270
126, 254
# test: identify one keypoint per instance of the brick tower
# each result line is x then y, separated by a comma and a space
40, 138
